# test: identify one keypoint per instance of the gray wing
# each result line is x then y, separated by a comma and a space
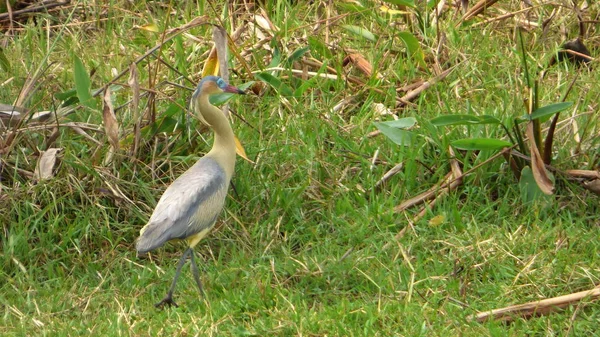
191, 204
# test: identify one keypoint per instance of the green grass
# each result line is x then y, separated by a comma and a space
306, 246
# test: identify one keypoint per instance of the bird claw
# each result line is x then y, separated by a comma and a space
168, 300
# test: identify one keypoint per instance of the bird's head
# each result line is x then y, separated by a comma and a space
215, 85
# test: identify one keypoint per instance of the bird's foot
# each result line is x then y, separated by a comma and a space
168, 300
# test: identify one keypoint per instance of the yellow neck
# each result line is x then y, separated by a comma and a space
223, 149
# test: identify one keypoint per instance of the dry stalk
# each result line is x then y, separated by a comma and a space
537, 308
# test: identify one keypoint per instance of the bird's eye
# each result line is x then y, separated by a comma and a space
221, 83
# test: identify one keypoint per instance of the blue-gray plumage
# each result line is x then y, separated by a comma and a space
189, 207
202, 188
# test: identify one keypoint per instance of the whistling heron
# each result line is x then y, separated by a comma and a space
190, 206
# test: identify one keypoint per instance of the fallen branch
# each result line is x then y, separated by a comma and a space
430, 194
450, 182
404, 100
536, 308
477, 9
42, 7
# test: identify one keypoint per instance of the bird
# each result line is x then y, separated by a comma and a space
190, 206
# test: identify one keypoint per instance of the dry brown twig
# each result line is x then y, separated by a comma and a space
476, 10
504, 16
411, 95
450, 182
43, 7
537, 308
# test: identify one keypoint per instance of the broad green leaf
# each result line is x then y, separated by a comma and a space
296, 55
275, 59
83, 84
65, 94
549, 110
413, 46
361, 32
409, 3
166, 124
350, 6
480, 144
276, 83
172, 109
401, 123
396, 135
319, 48
73, 100
463, 120
224, 97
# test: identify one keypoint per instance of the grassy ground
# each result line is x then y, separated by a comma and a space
306, 245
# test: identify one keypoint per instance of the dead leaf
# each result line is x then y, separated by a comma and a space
45, 164
263, 22
239, 149
392, 12
211, 66
360, 62
537, 164
150, 27
381, 110
437, 220
220, 40
111, 126
592, 186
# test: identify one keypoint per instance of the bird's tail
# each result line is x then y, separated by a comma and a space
149, 239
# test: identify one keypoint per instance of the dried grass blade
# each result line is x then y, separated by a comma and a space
421, 198
134, 84
111, 126
477, 9
411, 95
220, 40
388, 175
537, 308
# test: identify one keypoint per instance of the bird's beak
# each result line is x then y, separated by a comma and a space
233, 90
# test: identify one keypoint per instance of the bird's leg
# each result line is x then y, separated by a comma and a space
196, 273
168, 300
